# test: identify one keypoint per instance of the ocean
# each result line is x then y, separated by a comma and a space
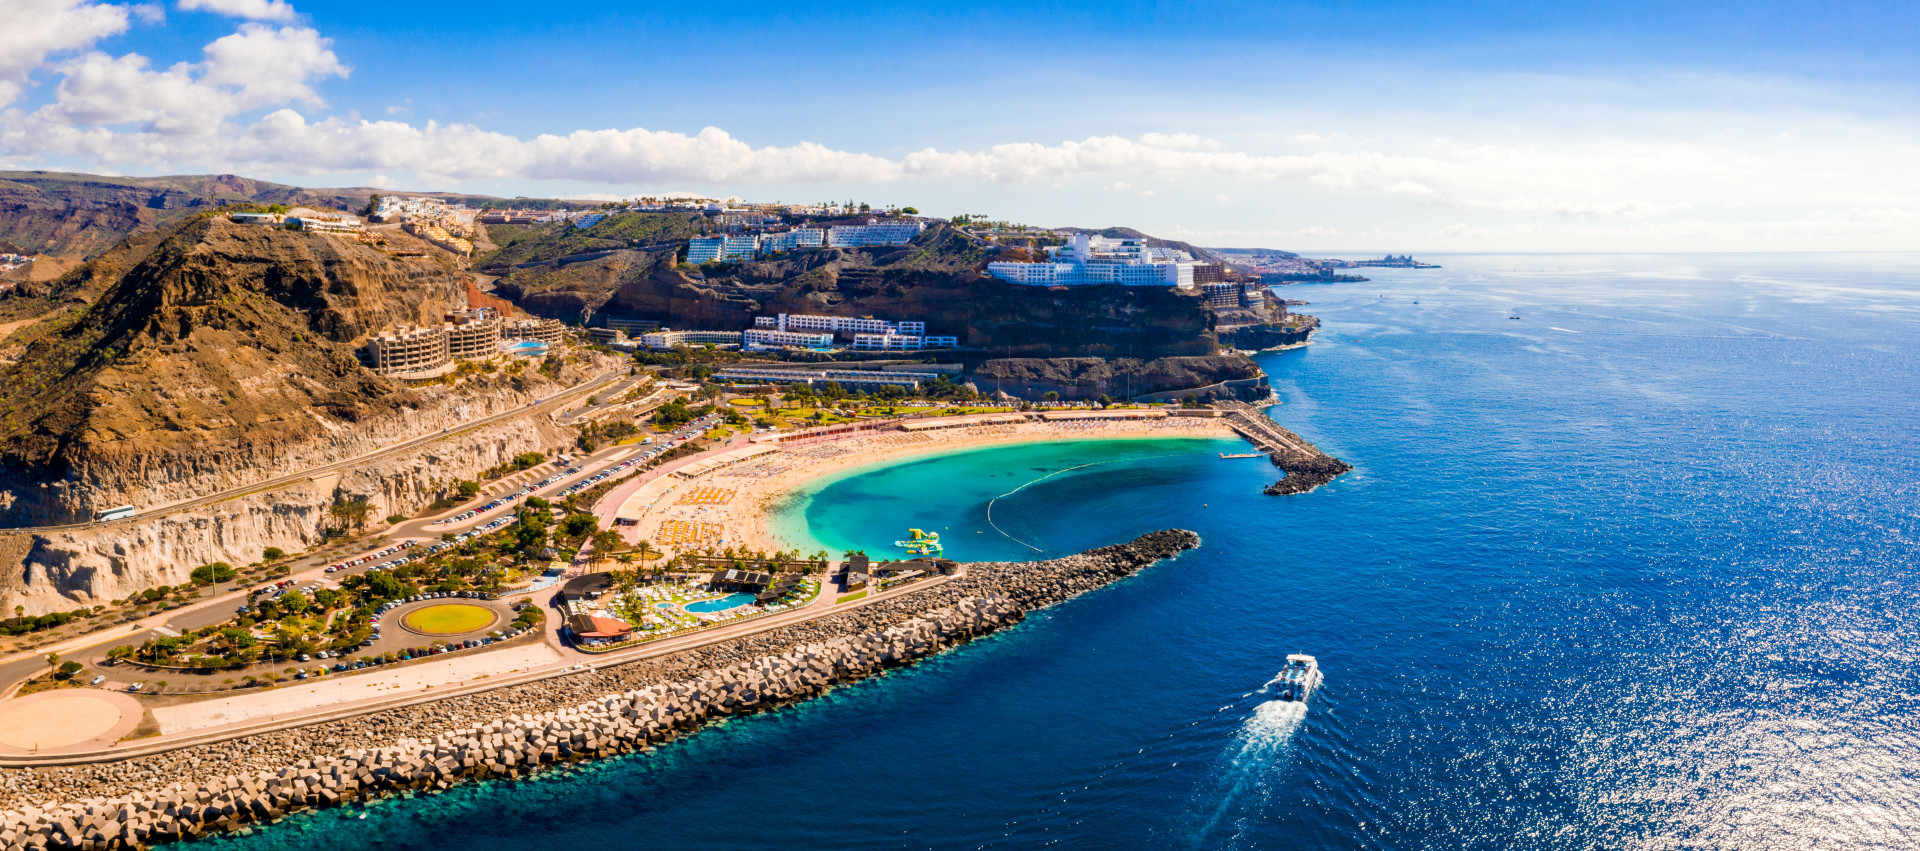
1628, 560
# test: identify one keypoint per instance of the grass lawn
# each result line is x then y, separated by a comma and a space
449, 618
850, 597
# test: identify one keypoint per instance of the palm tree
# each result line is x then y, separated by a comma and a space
644, 548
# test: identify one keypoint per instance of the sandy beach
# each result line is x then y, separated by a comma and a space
730, 506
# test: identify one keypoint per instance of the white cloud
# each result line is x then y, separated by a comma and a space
38, 29
1179, 141
255, 68
252, 103
259, 10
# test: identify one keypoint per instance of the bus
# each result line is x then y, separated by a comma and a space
113, 514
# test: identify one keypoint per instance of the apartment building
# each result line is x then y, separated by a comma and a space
325, 224
544, 330
1087, 259
875, 232
408, 351
473, 334
792, 240
707, 249
765, 338
901, 342
828, 324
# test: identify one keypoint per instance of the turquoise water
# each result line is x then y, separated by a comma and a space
1639, 569
731, 601
968, 503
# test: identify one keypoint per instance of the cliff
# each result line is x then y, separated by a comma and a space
215, 355
54, 570
1120, 378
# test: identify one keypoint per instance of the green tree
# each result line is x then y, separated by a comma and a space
1050, 396
294, 602
352, 513
467, 489
212, 574
579, 525
909, 211
272, 554
607, 541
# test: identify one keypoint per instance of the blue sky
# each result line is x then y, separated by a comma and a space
1323, 127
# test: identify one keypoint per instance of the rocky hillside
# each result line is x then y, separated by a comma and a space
77, 216
940, 278
203, 356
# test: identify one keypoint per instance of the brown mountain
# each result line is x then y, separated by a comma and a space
208, 347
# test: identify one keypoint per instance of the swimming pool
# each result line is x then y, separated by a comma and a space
731, 601
528, 348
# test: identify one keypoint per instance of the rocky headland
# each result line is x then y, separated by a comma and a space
516, 731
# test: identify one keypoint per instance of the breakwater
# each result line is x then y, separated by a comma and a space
518, 730
1304, 465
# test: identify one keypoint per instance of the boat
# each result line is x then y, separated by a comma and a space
921, 543
1241, 455
1299, 678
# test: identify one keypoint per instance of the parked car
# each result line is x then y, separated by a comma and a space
136, 686
97, 680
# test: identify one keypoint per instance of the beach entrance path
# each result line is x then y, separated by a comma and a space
341, 689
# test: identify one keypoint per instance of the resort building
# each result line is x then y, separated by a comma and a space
875, 232
257, 218
663, 340
708, 249
631, 326
325, 224
545, 330
409, 351
765, 338
850, 326
607, 335
473, 334
901, 342
793, 240
1221, 294
1087, 259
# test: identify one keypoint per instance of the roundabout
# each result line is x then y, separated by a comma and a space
450, 619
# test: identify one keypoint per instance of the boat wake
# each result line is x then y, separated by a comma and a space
1257, 756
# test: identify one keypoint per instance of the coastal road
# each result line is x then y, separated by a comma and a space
304, 570
548, 404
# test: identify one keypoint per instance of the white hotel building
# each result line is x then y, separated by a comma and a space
768, 338
901, 342
1088, 259
706, 249
875, 233
775, 243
